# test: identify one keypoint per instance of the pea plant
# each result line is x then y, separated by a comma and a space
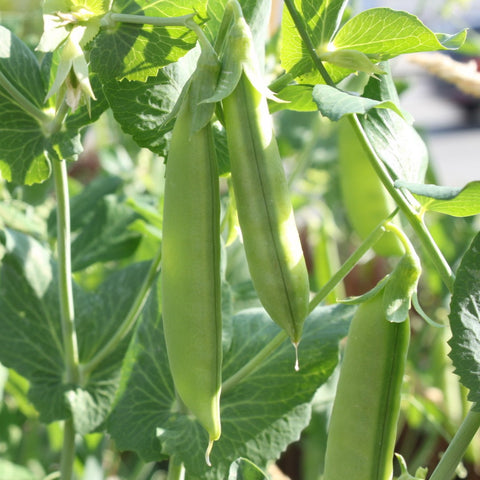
174, 300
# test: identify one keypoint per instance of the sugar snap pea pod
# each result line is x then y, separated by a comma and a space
191, 255
366, 200
272, 245
363, 425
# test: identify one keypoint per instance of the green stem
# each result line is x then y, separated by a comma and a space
111, 18
351, 261
67, 313
301, 28
54, 125
445, 469
255, 362
25, 104
415, 221
68, 450
129, 320
176, 471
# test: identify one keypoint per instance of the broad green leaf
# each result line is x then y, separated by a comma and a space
31, 340
260, 416
334, 103
321, 19
142, 108
457, 202
393, 138
465, 322
386, 33
25, 145
136, 52
22, 158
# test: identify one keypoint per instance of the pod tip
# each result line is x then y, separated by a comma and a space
207, 453
297, 364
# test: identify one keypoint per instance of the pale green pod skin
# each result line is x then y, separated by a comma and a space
265, 214
366, 200
363, 425
191, 289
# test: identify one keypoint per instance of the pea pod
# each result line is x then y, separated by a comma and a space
363, 425
366, 200
191, 297
272, 245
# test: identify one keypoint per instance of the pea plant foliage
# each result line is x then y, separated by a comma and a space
82, 283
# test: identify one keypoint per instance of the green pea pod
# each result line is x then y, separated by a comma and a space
265, 214
191, 296
363, 425
366, 200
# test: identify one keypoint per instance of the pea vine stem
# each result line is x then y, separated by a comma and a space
67, 311
415, 221
351, 261
445, 469
306, 38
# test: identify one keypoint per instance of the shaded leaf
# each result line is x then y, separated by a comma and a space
260, 416
22, 158
457, 202
334, 103
465, 322
32, 344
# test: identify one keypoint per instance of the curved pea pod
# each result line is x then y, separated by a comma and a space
366, 200
363, 425
265, 214
191, 291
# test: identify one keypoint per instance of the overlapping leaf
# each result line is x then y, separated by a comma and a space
260, 416
371, 36
31, 340
24, 142
321, 19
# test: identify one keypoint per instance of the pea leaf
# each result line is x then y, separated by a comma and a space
22, 158
393, 138
260, 416
24, 142
101, 219
465, 322
31, 340
295, 97
142, 107
136, 52
457, 202
321, 20
386, 33
334, 103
